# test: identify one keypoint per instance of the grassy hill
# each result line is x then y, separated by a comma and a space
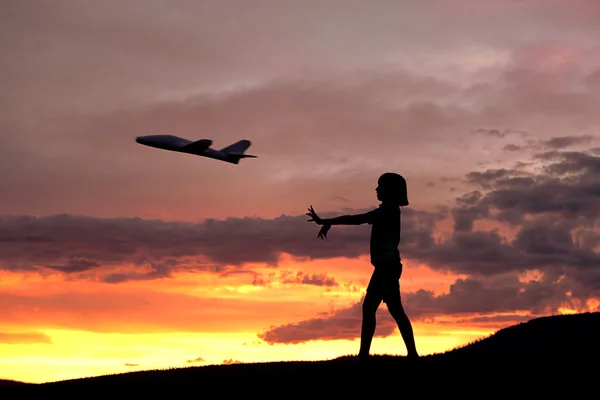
548, 349
4, 383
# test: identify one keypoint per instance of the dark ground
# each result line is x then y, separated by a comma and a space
546, 357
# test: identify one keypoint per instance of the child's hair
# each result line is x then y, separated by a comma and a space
393, 188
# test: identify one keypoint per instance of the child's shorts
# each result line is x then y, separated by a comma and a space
385, 283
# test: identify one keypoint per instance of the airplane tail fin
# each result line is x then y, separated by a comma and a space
236, 150
238, 147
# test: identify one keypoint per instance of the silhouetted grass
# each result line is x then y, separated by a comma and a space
545, 350
9, 383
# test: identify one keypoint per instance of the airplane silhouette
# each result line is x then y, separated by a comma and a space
231, 154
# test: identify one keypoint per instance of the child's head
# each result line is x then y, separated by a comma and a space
391, 188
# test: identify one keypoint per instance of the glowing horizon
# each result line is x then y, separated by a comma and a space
88, 348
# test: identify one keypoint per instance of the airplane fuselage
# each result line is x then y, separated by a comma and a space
200, 147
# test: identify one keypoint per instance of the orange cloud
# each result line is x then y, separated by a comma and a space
196, 360
24, 338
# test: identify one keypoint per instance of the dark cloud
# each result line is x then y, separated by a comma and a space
563, 142
541, 243
464, 298
555, 211
586, 165
341, 324
487, 178
70, 243
24, 338
472, 252
569, 187
158, 271
468, 211
131, 365
512, 147
472, 296
75, 265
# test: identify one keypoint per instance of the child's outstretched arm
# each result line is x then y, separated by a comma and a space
356, 219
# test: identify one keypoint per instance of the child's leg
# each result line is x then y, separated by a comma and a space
394, 305
369, 310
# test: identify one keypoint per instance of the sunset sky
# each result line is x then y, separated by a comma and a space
118, 257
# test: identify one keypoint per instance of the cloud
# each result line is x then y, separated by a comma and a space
196, 360
512, 147
24, 338
231, 361
341, 324
496, 318
315, 279
554, 210
189, 45
98, 151
158, 271
465, 297
554, 143
75, 265
116, 309
470, 210
568, 187
563, 142
131, 365
286, 277
499, 134
71, 244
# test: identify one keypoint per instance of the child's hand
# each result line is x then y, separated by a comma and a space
314, 217
323, 232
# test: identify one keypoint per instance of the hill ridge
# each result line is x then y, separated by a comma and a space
543, 344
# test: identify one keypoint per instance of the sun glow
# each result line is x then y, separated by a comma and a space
57, 328
74, 354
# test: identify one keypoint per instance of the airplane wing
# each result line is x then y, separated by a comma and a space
198, 146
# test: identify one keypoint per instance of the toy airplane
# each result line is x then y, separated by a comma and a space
231, 154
